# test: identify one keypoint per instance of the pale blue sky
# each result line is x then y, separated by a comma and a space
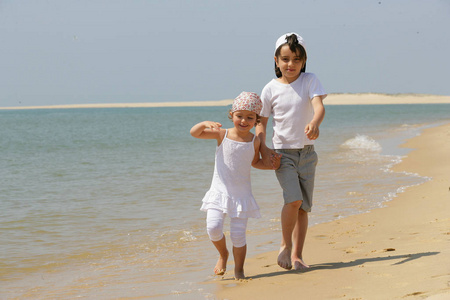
99, 51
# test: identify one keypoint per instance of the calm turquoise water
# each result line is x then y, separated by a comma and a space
104, 203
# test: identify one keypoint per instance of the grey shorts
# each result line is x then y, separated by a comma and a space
296, 175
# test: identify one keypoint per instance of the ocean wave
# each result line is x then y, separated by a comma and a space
362, 142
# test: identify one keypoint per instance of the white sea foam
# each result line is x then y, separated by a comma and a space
174, 236
362, 142
188, 236
402, 189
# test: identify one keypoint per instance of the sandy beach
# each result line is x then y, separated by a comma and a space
332, 99
401, 251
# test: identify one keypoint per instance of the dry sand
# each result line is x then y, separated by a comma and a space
401, 251
332, 99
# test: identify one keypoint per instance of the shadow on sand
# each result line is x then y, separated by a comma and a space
339, 265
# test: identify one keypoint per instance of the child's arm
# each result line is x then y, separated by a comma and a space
268, 155
258, 163
312, 129
208, 130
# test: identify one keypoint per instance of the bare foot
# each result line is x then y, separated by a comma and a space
284, 258
221, 265
239, 275
299, 264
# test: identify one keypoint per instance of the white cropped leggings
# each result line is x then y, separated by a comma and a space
214, 227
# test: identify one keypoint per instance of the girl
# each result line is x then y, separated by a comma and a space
230, 192
295, 100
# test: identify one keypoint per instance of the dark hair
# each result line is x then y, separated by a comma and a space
258, 117
295, 47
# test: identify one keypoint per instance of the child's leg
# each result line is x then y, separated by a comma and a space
306, 172
239, 259
214, 227
238, 227
298, 239
221, 265
288, 222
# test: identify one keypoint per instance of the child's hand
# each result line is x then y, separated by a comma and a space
276, 160
312, 131
212, 125
206, 130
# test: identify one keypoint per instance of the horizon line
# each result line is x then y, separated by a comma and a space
331, 99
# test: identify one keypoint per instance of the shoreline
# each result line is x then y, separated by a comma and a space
395, 252
332, 99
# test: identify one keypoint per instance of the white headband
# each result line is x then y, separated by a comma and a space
282, 40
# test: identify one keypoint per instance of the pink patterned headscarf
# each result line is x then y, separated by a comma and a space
247, 101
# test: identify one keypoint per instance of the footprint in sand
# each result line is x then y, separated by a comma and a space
414, 294
389, 249
351, 250
321, 236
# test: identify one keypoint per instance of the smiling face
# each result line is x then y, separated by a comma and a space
289, 63
244, 120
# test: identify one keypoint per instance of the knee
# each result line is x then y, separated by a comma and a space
214, 225
295, 205
238, 228
238, 239
214, 230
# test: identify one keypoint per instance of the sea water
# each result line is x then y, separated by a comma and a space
104, 203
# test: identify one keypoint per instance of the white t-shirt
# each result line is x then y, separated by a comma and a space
291, 107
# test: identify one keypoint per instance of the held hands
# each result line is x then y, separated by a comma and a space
270, 158
312, 131
275, 159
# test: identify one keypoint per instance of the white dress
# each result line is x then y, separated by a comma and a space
231, 190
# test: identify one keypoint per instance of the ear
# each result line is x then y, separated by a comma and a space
276, 60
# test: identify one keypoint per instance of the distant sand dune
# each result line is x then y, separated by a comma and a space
332, 99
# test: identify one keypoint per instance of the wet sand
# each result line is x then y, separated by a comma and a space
401, 251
